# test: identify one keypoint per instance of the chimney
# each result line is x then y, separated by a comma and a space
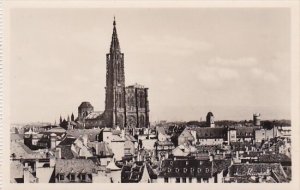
123, 133
52, 140
237, 154
194, 134
26, 173
97, 148
58, 152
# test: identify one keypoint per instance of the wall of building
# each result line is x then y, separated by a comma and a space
264, 134
118, 149
44, 174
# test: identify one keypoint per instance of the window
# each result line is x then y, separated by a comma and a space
190, 180
83, 177
166, 180
127, 151
72, 177
61, 176
183, 180
198, 180
177, 180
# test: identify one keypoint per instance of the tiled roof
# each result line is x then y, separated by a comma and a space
66, 152
211, 133
75, 165
92, 133
245, 132
258, 169
16, 137
22, 151
207, 148
67, 141
252, 154
220, 165
185, 168
274, 158
187, 134
94, 115
130, 138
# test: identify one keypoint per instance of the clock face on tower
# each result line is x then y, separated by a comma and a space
131, 121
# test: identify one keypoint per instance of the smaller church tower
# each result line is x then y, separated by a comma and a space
210, 121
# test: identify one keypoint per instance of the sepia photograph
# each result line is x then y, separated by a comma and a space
150, 95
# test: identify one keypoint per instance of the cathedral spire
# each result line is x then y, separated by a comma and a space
114, 46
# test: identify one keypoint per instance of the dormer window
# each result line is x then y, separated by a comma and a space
184, 170
83, 177
61, 177
72, 177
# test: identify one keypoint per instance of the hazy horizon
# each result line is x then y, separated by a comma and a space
233, 62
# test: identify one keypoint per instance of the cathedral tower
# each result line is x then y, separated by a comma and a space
115, 84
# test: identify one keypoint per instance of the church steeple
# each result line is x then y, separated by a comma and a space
114, 46
115, 83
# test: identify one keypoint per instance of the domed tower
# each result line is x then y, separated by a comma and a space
210, 121
84, 109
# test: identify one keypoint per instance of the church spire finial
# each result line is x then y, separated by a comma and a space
114, 23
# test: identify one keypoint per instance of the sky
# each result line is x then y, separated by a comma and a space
230, 61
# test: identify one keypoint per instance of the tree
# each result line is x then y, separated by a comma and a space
268, 125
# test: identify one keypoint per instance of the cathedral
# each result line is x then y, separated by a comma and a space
125, 106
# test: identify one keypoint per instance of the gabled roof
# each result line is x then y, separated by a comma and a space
67, 166
211, 133
186, 134
186, 168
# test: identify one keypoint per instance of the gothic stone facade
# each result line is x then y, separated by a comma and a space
124, 106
